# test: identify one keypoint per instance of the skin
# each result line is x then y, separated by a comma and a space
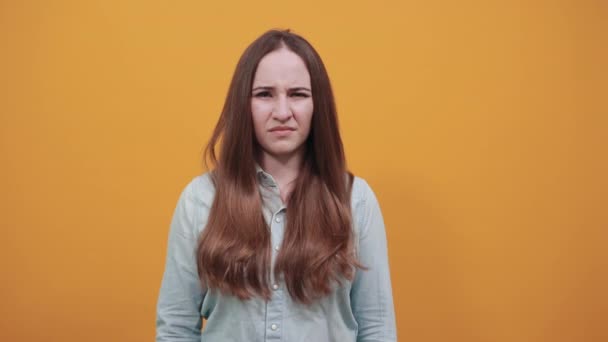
281, 96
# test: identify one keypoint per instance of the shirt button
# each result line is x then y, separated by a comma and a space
275, 286
276, 248
274, 327
278, 219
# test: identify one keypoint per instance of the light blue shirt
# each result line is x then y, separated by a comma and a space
359, 310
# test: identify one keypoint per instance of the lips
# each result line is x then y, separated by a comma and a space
282, 129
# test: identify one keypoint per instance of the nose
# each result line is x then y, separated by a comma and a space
282, 111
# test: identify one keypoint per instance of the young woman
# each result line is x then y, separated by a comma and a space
279, 242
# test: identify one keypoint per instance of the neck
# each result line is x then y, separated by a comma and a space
284, 169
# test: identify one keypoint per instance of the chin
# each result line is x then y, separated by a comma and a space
282, 150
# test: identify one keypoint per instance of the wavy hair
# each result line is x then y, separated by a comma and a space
234, 250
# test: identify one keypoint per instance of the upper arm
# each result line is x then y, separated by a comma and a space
181, 294
371, 293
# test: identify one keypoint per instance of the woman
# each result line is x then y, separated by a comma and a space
279, 242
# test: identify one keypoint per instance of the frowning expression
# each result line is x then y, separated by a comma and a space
281, 103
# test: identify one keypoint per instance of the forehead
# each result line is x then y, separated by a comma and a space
282, 67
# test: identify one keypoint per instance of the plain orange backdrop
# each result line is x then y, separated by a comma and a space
481, 126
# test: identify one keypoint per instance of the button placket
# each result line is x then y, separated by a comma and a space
275, 306
274, 215
274, 315
276, 233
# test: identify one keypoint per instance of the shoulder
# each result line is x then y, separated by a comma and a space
363, 200
200, 190
361, 191
195, 201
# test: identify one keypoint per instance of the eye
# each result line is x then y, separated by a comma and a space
263, 94
300, 94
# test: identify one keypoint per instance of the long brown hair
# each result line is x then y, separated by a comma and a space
234, 249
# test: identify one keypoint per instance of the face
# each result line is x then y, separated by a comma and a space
281, 104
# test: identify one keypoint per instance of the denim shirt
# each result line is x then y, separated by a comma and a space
358, 310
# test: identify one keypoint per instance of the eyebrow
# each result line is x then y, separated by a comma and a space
272, 88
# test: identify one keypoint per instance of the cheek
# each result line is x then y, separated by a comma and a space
258, 115
304, 115
257, 106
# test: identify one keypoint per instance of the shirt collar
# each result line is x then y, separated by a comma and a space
258, 168
264, 177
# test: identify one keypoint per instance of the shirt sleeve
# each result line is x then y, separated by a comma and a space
178, 317
371, 293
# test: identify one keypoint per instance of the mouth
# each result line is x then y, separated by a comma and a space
282, 129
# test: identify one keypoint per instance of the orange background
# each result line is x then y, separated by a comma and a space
481, 126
